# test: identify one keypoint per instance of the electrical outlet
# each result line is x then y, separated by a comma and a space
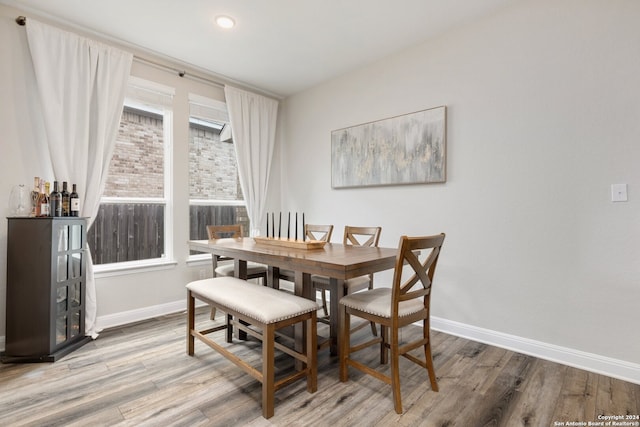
202, 273
619, 192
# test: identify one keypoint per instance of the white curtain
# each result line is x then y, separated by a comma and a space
81, 84
253, 126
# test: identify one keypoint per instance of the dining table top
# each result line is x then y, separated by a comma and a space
334, 260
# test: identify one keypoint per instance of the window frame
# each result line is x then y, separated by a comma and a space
215, 111
155, 98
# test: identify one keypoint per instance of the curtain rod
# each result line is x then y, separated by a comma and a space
22, 21
179, 72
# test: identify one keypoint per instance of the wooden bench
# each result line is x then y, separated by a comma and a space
267, 310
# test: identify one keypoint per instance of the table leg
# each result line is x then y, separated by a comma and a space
304, 288
273, 277
335, 290
240, 271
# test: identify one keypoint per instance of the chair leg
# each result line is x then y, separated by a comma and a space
324, 302
311, 351
429, 360
384, 353
191, 303
395, 372
229, 328
212, 316
374, 330
345, 343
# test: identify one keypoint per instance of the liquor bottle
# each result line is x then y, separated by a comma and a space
43, 202
74, 202
35, 196
65, 200
55, 201
47, 191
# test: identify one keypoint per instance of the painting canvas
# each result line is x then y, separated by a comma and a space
407, 149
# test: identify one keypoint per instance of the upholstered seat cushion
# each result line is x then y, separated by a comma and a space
353, 285
252, 269
378, 302
261, 303
287, 275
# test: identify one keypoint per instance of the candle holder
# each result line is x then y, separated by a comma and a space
290, 243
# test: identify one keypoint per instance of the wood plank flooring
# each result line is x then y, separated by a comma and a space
140, 375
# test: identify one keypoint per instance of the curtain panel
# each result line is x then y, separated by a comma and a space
253, 126
81, 85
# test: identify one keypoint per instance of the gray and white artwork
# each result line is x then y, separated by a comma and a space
407, 149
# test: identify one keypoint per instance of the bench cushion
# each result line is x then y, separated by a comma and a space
261, 303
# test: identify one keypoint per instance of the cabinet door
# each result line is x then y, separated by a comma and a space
69, 236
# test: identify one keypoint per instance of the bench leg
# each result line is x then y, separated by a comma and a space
190, 322
312, 353
268, 371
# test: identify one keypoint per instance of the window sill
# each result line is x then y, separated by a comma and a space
101, 271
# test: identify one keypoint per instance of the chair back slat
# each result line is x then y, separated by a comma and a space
411, 270
318, 232
414, 294
224, 231
356, 236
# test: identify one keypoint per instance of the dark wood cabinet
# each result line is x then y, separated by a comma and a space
46, 260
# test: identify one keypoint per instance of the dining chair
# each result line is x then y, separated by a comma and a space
311, 232
353, 236
406, 302
254, 270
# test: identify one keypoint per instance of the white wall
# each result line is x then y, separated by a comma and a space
121, 298
543, 116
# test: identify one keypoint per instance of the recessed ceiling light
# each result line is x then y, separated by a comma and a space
224, 21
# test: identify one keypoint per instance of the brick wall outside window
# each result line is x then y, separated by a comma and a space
212, 167
137, 166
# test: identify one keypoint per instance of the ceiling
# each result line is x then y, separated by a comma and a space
278, 46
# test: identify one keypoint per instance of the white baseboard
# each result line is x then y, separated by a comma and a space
132, 316
614, 368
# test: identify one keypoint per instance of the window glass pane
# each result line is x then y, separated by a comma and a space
76, 237
63, 237
61, 329
214, 186
61, 300
200, 216
127, 232
76, 265
131, 221
62, 268
137, 165
213, 172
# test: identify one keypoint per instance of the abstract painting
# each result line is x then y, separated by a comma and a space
407, 149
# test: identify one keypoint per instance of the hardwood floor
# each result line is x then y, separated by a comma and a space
141, 375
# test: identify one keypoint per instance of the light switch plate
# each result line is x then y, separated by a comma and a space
619, 192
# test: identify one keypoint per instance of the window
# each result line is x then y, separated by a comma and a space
215, 194
133, 224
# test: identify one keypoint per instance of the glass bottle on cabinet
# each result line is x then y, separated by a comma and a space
45, 288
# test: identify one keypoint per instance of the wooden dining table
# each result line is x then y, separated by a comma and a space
336, 261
